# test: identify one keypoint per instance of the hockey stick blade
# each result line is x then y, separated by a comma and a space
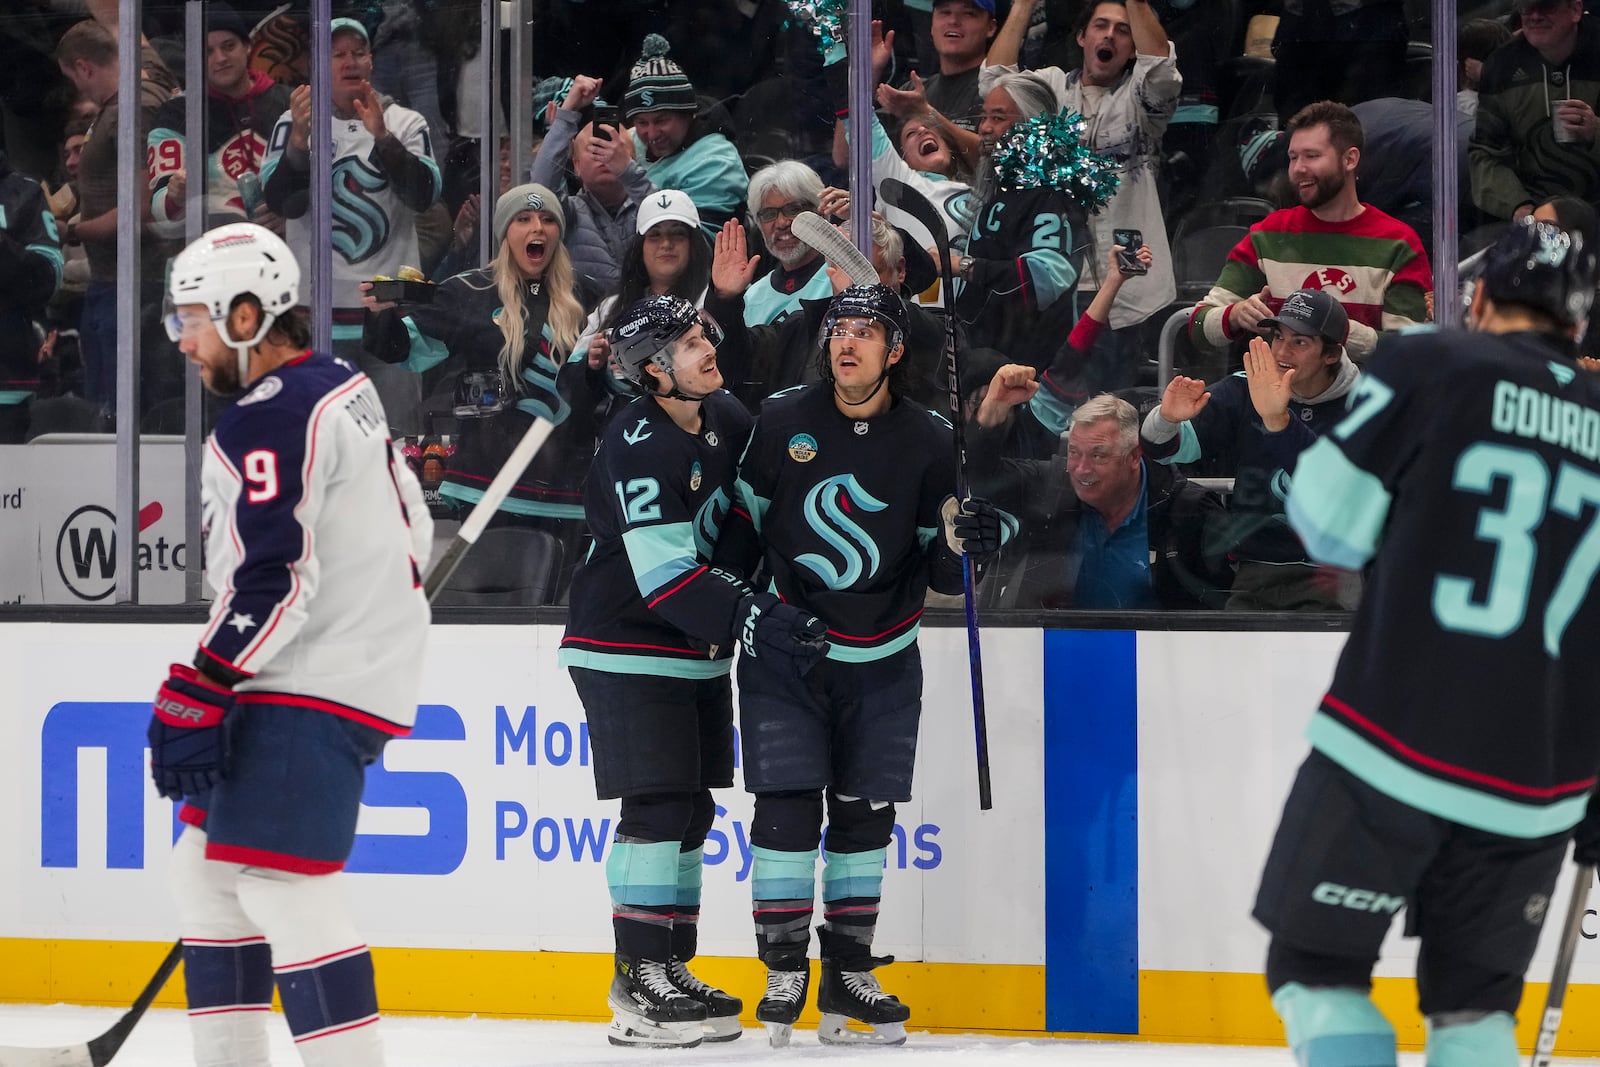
1550, 1024
898, 194
97, 1052
835, 248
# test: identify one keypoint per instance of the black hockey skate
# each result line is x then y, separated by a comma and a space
650, 1011
722, 1009
847, 997
783, 1002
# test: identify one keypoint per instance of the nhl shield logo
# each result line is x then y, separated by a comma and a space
802, 448
694, 478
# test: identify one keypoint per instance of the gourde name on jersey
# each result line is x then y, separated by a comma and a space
1469, 466
647, 600
315, 539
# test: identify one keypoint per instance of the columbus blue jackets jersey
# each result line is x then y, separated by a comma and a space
316, 534
847, 513
1468, 473
646, 600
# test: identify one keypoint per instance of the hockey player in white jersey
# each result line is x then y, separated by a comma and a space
316, 533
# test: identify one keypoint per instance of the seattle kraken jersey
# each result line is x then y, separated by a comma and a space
646, 600
315, 534
1468, 472
847, 512
376, 197
1027, 248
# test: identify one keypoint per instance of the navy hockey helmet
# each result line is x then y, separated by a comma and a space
1541, 266
877, 302
647, 329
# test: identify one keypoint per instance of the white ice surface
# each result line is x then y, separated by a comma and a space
162, 1040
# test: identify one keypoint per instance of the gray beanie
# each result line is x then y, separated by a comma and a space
530, 197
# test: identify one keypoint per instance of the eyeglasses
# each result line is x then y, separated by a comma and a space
790, 210
1097, 457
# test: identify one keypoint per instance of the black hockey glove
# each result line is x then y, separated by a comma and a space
977, 528
768, 629
186, 743
1586, 835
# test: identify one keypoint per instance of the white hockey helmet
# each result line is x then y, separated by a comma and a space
226, 263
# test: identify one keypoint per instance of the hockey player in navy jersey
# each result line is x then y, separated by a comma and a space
649, 643
848, 487
1455, 753
315, 535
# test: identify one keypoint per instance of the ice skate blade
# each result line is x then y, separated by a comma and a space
778, 1034
727, 1028
630, 1031
835, 1030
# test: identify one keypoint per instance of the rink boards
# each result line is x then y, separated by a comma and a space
1137, 782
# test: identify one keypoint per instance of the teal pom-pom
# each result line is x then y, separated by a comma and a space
655, 46
1048, 152
824, 18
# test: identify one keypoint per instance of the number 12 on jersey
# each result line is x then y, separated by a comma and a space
1529, 499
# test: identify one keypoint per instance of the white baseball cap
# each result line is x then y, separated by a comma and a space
667, 205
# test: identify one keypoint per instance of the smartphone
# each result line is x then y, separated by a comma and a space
605, 121
1128, 259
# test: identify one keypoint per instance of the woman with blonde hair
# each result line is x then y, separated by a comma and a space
506, 334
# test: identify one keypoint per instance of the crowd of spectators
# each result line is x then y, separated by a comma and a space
1283, 205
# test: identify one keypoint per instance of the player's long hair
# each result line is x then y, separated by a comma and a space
564, 319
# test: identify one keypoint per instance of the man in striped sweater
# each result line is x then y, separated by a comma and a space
1372, 263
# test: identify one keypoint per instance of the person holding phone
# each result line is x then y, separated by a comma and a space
584, 132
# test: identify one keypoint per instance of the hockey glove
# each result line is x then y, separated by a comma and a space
186, 744
977, 528
769, 629
1586, 835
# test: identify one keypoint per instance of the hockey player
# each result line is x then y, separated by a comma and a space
848, 486
1467, 472
649, 643
508, 331
315, 536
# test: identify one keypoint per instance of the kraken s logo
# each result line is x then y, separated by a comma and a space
647, 98
360, 225
535, 201
827, 509
708, 522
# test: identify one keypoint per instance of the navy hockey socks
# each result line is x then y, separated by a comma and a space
643, 878
686, 919
229, 990
330, 1004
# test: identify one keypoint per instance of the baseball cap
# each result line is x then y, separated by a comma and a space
1312, 313
986, 5
338, 25
668, 205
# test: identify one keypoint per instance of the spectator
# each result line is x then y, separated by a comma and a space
1535, 136
30, 273
952, 97
384, 175
1398, 173
462, 252
1126, 90
668, 256
611, 184
1372, 263
405, 64
87, 56
1103, 530
1344, 50
1260, 421
679, 150
1025, 245
1577, 216
778, 193
1476, 39
242, 106
508, 330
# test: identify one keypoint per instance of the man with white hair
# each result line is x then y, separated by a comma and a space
778, 193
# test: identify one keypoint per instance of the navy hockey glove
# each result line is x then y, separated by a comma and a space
977, 528
769, 629
186, 744
1586, 836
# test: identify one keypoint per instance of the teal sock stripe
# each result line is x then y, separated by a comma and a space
1487, 1042
691, 867
779, 875
853, 874
643, 875
1331, 1026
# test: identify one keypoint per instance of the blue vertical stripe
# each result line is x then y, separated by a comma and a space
1091, 814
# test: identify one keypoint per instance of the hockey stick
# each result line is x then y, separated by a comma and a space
835, 247
1545, 1047
97, 1052
898, 194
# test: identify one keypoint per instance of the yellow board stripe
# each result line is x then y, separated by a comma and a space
1174, 1006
